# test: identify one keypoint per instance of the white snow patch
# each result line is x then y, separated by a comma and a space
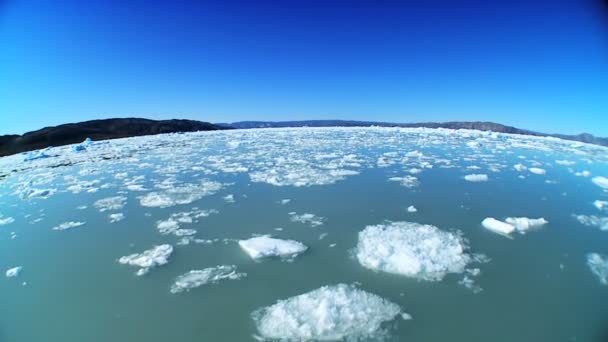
330, 313
211, 275
265, 246
412, 249
476, 178
156, 256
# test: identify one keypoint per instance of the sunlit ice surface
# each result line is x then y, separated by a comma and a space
306, 234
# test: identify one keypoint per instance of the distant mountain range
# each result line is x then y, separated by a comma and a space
130, 127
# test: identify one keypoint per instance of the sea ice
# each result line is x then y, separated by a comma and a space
13, 272
523, 224
537, 170
116, 217
211, 275
407, 181
329, 313
411, 209
520, 167
110, 203
156, 256
178, 195
598, 264
265, 246
593, 221
497, 226
6, 220
69, 225
476, 178
307, 218
600, 205
412, 249
600, 181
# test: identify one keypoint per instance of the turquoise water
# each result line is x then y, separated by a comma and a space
535, 286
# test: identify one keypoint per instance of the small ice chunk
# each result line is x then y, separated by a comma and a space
229, 198
411, 209
6, 220
211, 275
110, 203
600, 181
565, 162
116, 217
13, 272
585, 173
284, 201
265, 246
520, 167
537, 170
600, 205
307, 218
69, 225
593, 221
329, 313
407, 181
156, 256
598, 264
523, 223
412, 249
497, 226
476, 178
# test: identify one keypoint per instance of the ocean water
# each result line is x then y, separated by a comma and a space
530, 285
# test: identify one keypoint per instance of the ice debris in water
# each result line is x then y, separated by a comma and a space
211, 275
411, 209
116, 217
229, 198
6, 220
265, 246
407, 181
156, 256
412, 249
39, 154
598, 264
172, 224
497, 226
307, 218
476, 178
182, 194
110, 203
600, 205
523, 224
537, 170
69, 225
600, 181
13, 272
329, 313
593, 221
520, 167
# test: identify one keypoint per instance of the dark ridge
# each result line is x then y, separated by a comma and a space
96, 130
477, 125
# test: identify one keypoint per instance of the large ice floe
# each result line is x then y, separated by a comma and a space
598, 264
156, 256
329, 313
265, 246
211, 275
412, 249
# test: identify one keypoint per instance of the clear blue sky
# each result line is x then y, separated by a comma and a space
539, 65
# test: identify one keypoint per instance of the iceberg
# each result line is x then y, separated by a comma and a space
156, 256
329, 313
211, 275
412, 249
265, 246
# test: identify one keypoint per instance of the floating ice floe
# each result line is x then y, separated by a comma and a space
307, 218
585, 173
537, 170
593, 221
69, 225
407, 181
116, 217
82, 146
284, 201
110, 203
265, 246
565, 162
39, 154
600, 181
411, 209
476, 178
412, 249
28, 193
299, 175
229, 198
156, 256
520, 167
497, 226
179, 195
600, 205
330, 313
522, 224
598, 264
172, 224
13, 272
6, 220
211, 275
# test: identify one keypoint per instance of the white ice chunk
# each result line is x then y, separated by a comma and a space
229, 198
156, 256
6, 220
523, 224
520, 167
69, 225
412, 249
600, 181
600, 205
330, 313
265, 246
411, 209
110, 203
116, 217
537, 170
307, 218
593, 221
584, 173
179, 195
13, 272
598, 264
476, 178
497, 226
211, 275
